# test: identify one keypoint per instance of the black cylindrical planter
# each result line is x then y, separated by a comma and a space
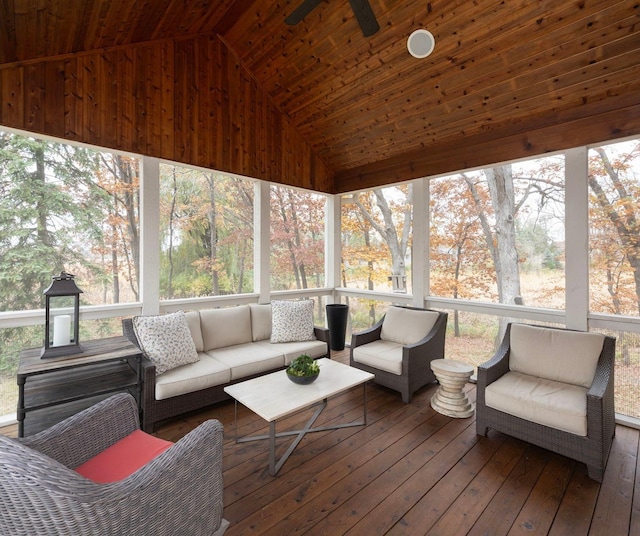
337, 314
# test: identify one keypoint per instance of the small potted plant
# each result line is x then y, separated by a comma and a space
303, 370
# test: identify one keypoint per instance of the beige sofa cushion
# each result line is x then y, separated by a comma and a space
246, 359
554, 354
225, 327
207, 372
260, 321
291, 350
558, 405
193, 321
407, 326
380, 354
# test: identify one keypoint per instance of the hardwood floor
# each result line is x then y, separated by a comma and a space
412, 471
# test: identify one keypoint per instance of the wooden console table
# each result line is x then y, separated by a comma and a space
51, 389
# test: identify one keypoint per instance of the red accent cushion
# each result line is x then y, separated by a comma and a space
123, 458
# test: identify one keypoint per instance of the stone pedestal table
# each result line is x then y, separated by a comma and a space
450, 398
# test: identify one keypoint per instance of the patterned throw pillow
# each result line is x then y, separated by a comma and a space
166, 340
292, 321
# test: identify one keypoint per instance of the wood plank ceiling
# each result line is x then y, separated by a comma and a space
507, 79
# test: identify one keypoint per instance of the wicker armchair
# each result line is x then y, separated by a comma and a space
591, 442
400, 348
178, 492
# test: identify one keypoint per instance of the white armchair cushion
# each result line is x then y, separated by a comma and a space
407, 326
225, 327
380, 354
554, 354
558, 405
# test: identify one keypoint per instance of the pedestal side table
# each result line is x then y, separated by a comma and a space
450, 398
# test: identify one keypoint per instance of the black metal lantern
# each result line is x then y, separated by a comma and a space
62, 309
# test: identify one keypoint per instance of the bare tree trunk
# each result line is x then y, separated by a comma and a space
397, 245
172, 213
213, 236
622, 217
502, 241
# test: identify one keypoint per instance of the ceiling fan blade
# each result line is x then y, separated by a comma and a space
365, 16
302, 11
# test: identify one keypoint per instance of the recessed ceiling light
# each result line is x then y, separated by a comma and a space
421, 43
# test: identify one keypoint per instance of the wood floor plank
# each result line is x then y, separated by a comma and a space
576, 509
468, 507
447, 483
537, 514
613, 510
501, 512
361, 492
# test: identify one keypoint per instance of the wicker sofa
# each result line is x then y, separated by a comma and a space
180, 491
552, 387
233, 344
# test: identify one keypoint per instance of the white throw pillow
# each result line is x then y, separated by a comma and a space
166, 340
292, 321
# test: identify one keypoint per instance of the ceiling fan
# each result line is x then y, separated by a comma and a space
361, 9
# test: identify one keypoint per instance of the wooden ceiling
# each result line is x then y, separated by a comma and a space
506, 79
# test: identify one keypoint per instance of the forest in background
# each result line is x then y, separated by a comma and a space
75, 209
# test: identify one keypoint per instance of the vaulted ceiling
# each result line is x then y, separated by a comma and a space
507, 79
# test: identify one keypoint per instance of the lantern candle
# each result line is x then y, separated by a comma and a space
61, 330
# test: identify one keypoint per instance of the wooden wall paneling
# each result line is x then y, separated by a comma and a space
54, 105
233, 80
34, 97
125, 107
153, 100
220, 111
88, 78
108, 98
140, 97
167, 110
185, 101
73, 99
12, 90
8, 41
206, 83
224, 119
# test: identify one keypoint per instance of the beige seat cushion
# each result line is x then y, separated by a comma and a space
407, 326
225, 327
554, 354
205, 373
562, 406
246, 359
380, 354
193, 321
291, 350
260, 321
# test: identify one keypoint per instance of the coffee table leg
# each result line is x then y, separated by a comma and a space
272, 449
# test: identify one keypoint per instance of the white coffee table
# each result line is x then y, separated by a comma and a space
273, 396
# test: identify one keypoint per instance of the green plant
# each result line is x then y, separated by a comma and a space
303, 366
